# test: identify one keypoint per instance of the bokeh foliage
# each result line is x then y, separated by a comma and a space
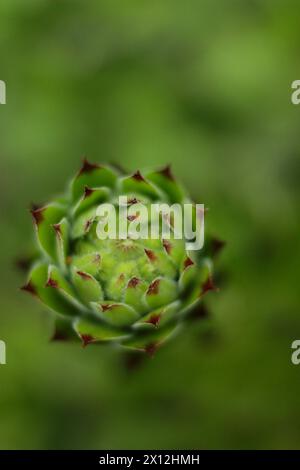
204, 85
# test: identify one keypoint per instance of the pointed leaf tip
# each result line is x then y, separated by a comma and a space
208, 285
133, 282
188, 262
107, 307
57, 228
154, 319
138, 177
201, 311
151, 349
87, 192
51, 283
217, 245
86, 340
132, 201
167, 246
59, 336
37, 215
29, 287
85, 276
153, 289
167, 172
87, 167
150, 254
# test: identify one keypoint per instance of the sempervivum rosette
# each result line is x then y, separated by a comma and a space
130, 292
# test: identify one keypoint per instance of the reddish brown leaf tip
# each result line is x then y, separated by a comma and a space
167, 172
167, 246
29, 287
153, 289
23, 263
57, 228
208, 285
188, 262
151, 255
137, 176
59, 336
106, 307
132, 201
87, 167
133, 282
34, 206
37, 215
87, 225
86, 340
154, 319
200, 312
52, 283
130, 218
151, 349
217, 245
87, 192
83, 275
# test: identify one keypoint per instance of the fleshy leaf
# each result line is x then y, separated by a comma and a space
148, 339
44, 219
160, 317
165, 181
137, 184
89, 262
88, 289
134, 294
92, 176
90, 330
52, 290
92, 197
62, 231
83, 223
160, 292
192, 280
117, 314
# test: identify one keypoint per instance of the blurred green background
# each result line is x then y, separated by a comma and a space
202, 84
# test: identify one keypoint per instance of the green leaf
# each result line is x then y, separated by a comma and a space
83, 223
92, 176
137, 184
88, 289
135, 294
191, 282
165, 181
148, 339
90, 330
92, 197
117, 314
53, 290
62, 230
160, 292
89, 262
45, 218
162, 316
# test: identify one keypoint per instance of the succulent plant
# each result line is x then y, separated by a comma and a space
133, 293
